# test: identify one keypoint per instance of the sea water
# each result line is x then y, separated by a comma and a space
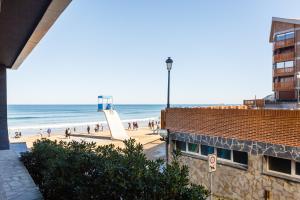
30, 119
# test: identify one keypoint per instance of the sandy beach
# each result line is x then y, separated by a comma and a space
153, 146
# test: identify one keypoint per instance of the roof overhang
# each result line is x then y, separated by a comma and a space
284, 20
23, 24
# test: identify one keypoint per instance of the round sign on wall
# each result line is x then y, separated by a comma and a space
212, 162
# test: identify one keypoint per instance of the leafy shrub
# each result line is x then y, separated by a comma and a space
84, 171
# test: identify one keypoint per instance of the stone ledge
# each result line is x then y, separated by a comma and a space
220, 162
281, 176
252, 147
15, 181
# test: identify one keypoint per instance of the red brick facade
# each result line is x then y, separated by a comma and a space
270, 126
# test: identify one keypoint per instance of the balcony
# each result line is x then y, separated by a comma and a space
284, 86
284, 71
284, 57
284, 43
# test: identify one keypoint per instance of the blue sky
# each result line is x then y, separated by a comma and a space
118, 47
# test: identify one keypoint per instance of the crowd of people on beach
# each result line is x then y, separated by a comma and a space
154, 126
48, 131
133, 126
97, 128
68, 131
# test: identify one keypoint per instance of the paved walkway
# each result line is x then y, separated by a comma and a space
15, 181
155, 150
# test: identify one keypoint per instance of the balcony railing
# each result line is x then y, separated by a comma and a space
284, 71
283, 43
284, 86
284, 57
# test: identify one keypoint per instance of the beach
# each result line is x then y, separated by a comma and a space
153, 146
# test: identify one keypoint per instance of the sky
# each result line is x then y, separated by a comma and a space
220, 50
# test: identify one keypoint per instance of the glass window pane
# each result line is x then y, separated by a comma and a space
280, 165
280, 65
224, 154
297, 168
193, 148
240, 157
180, 146
280, 37
289, 64
289, 35
205, 150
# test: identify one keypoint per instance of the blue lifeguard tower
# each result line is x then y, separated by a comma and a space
105, 105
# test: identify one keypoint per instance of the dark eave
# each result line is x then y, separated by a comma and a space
23, 24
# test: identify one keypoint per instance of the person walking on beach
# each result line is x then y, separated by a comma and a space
74, 129
152, 125
129, 126
88, 129
157, 128
66, 133
101, 126
49, 132
149, 125
41, 132
69, 133
136, 125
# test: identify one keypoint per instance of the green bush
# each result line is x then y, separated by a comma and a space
84, 171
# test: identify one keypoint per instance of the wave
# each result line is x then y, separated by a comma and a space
74, 124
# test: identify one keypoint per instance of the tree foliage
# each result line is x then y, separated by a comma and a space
81, 170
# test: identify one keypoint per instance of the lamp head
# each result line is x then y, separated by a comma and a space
169, 63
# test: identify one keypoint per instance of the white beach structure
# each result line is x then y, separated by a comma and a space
117, 131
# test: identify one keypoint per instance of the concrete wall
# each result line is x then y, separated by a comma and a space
233, 182
4, 143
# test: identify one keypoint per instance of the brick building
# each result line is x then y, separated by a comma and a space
285, 36
258, 146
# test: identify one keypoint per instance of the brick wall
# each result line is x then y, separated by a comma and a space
270, 126
280, 26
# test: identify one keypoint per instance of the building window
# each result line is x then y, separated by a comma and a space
240, 157
289, 35
284, 36
280, 165
279, 65
205, 150
285, 64
297, 168
289, 64
280, 37
194, 148
180, 146
224, 153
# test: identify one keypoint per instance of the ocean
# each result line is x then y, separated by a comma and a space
29, 119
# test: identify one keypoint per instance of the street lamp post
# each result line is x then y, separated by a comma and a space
298, 88
169, 63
